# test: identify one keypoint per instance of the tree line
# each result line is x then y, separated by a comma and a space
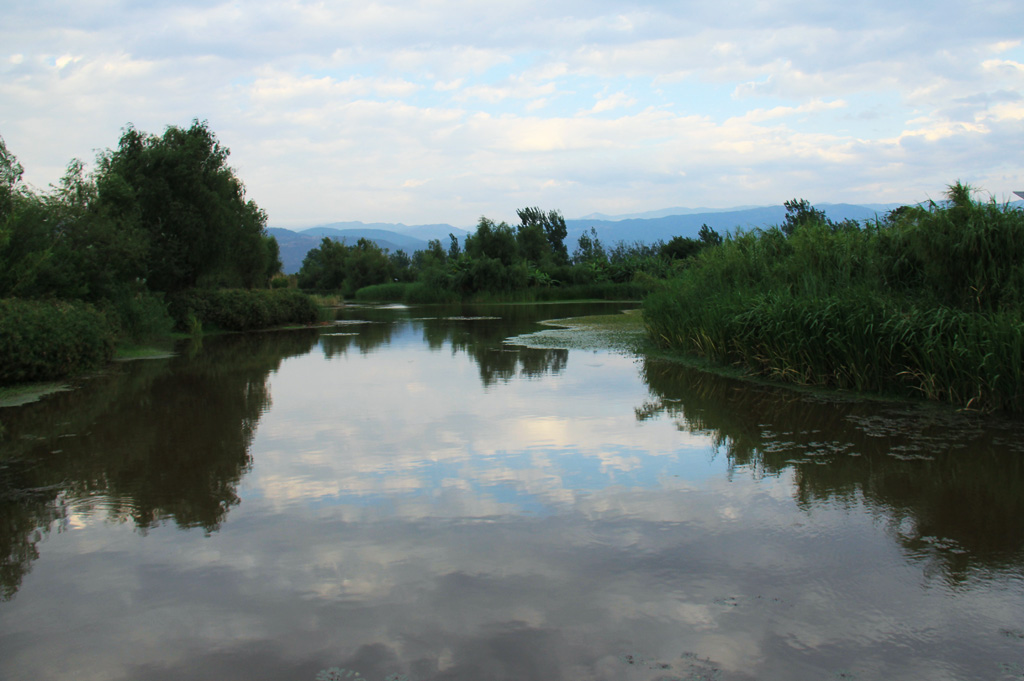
112, 248
528, 261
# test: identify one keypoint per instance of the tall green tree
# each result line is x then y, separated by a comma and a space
367, 264
589, 249
491, 240
709, 236
188, 202
799, 213
552, 225
323, 268
10, 177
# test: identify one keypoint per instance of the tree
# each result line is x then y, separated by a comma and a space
533, 244
491, 240
800, 213
680, 248
189, 203
367, 264
553, 226
401, 266
274, 264
453, 247
589, 249
323, 268
10, 177
708, 236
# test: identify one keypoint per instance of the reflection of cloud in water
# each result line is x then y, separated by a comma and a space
420, 419
650, 574
402, 517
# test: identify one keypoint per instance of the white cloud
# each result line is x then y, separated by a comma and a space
331, 107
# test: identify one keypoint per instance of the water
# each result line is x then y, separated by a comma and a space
405, 496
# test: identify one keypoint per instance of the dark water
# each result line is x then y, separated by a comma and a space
405, 497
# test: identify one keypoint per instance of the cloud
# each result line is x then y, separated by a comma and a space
330, 105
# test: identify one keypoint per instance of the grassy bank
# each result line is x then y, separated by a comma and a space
926, 303
45, 340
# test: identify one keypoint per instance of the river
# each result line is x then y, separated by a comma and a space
405, 496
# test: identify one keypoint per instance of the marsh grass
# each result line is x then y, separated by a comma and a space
927, 303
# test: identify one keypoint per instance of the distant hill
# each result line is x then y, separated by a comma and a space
649, 230
295, 245
663, 213
652, 226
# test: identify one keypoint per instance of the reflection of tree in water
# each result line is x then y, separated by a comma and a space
505, 363
478, 335
951, 485
149, 441
364, 337
484, 341
26, 513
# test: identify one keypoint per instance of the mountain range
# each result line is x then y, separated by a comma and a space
635, 227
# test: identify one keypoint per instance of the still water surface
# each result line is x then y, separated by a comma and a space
405, 497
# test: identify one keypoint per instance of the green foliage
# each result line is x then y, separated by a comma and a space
708, 236
392, 292
42, 340
10, 179
159, 215
323, 268
496, 263
493, 241
179, 191
139, 315
542, 236
242, 310
589, 249
966, 254
680, 248
401, 266
366, 264
333, 266
927, 304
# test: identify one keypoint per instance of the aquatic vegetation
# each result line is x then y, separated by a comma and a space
927, 303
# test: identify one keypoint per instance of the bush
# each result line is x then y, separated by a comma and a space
243, 310
392, 292
139, 316
42, 340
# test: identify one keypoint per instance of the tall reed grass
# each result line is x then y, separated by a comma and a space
928, 303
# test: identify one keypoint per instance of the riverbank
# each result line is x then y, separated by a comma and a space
928, 304
626, 333
47, 340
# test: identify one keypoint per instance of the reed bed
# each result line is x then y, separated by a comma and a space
925, 303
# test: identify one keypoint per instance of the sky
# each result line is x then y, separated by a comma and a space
443, 111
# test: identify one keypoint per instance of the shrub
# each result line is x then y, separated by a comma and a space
139, 316
243, 310
46, 339
394, 291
